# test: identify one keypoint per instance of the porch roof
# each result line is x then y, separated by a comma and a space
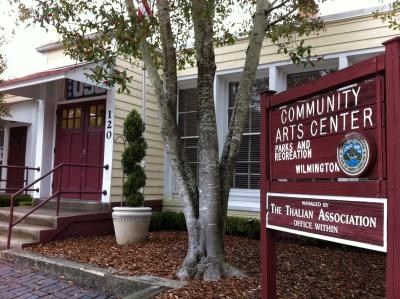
31, 85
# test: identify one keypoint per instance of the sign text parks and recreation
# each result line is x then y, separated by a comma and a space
305, 136
349, 220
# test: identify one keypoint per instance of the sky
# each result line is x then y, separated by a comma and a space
22, 58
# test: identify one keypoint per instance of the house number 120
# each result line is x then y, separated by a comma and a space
109, 125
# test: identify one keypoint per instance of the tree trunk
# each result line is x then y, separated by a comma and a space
242, 101
211, 234
205, 206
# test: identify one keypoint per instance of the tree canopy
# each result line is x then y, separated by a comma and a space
390, 16
169, 36
99, 31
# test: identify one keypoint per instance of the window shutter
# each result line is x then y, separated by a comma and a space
188, 126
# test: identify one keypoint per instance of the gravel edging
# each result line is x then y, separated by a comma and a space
138, 286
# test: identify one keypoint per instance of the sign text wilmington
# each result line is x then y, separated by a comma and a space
323, 219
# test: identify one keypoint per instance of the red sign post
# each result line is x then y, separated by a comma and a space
329, 160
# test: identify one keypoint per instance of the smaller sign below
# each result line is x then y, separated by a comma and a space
77, 90
356, 221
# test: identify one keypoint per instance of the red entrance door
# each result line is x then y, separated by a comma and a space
80, 140
16, 157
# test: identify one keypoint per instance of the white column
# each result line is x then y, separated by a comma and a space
277, 79
31, 144
39, 143
221, 110
343, 62
5, 155
108, 144
168, 177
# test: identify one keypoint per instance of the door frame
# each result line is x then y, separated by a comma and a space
84, 130
6, 159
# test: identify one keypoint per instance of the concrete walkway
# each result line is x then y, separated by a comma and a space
100, 279
29, 284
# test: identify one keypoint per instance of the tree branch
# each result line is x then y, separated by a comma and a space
169, 130
273, 7
169, 51
241, 109
281, 18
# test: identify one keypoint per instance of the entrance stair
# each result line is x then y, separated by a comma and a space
76, 218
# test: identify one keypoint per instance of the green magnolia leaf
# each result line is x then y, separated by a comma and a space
389, 16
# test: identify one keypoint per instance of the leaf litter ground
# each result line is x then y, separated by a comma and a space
303, 270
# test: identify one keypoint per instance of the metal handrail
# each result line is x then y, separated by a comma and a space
58, 193
25, 181
21, 167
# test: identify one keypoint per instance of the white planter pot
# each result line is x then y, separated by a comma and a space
131, 224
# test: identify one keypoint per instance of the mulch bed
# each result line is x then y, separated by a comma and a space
304, 271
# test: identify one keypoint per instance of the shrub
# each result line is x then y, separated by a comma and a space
24, 203
20, 200
131, 158
243, 227
5, 200
235, 226
24, 198
167, 221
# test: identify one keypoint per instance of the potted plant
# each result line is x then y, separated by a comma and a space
131, 222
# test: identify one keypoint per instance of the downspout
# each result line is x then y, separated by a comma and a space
144, 113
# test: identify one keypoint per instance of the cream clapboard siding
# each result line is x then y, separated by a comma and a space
351, 34
57, 58
124, 103
11, 99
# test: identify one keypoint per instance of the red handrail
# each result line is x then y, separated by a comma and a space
11, 224
25, 181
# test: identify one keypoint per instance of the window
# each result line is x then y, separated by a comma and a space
96, 115
300, 78
71, 118
247, 171
188, 126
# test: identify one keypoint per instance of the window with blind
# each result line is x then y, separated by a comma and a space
300, 78
247, 170
188, 126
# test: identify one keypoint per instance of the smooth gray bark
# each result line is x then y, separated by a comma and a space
205, 207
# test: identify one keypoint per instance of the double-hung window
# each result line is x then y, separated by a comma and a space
247, 170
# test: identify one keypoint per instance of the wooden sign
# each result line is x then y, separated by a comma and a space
330, 163
356, 221
306, 135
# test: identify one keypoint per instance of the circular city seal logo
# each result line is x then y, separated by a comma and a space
353, 154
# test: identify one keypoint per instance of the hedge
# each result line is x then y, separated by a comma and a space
20, 200
235, 226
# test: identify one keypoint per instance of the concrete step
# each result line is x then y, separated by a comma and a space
34, 219
16, 242
23, 230
67, 204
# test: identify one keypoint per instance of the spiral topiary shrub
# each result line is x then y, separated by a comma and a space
131, 159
